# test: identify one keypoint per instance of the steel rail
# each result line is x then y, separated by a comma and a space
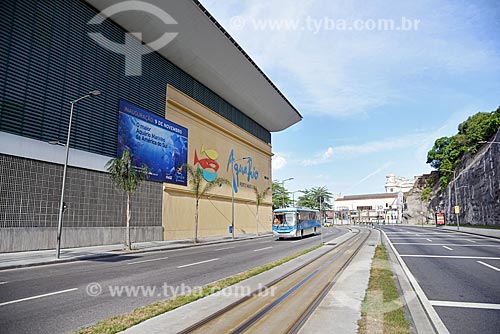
318, 264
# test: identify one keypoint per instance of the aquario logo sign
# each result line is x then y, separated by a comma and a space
207, 163
242, 167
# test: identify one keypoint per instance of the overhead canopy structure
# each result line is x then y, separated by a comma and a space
203, 49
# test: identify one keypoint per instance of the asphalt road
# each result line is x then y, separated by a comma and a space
64, 297
459, 274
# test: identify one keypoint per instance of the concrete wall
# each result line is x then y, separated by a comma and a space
38, 238
214, 139
96, 211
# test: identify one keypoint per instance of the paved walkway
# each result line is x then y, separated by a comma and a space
474, 230
34, 258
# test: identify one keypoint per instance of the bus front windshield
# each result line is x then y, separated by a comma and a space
285, 219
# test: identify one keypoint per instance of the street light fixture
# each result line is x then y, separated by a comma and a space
61, 203
283, 185
232, 194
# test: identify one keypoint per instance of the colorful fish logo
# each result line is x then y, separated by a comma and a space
208, 165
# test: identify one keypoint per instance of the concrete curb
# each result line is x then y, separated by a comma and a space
450, 228
121, 253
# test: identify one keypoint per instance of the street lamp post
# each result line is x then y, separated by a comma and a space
283, 185
293, 196
61, 203
232, 195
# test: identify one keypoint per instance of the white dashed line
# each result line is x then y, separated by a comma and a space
488, 265
159, 259
261, 249
448, 248
36, 297
196, 263
430, 240
219, 249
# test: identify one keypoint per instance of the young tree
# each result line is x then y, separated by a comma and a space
281, 197
195, 177
127, 178
259, 197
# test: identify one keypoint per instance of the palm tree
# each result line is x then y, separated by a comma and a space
259, 197
310, 199
196, 180
127, 178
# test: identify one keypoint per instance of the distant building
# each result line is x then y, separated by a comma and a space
369, 208
394, 184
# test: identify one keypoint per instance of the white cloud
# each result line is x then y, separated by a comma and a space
350, 73
371, 147
278, 162
372, 174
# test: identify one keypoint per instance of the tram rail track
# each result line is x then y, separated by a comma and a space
285, 304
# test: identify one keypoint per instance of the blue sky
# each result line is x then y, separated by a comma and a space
373, 99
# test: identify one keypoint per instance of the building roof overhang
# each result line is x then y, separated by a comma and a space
203, 49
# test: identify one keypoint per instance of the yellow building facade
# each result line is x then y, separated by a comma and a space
218, 147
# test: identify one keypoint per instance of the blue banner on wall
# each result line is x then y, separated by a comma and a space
153, 141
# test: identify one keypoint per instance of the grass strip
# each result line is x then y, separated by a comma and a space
122, 322
382, 310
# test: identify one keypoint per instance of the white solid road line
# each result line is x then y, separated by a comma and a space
219, 249
36, 297
454, 257
194, 264
143, 261
431, 312
261, 249
448, 248
488, 265
455, 245
485, 306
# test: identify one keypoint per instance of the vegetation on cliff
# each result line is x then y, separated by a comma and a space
447, 152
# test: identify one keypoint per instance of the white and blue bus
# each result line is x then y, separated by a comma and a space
295, 222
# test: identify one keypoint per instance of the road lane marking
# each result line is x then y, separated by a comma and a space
485, 306
196, 263
431, 312
219, 249
430, 240
143, 261
488, 265
1, 283
36, 297
456, 245
448, 248
453, 257
470, 240
261, 249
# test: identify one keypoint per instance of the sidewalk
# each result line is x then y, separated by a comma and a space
36, 258
492, 233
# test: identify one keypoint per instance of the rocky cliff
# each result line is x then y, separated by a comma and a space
476, 188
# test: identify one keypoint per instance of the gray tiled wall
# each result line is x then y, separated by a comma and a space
30, 193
